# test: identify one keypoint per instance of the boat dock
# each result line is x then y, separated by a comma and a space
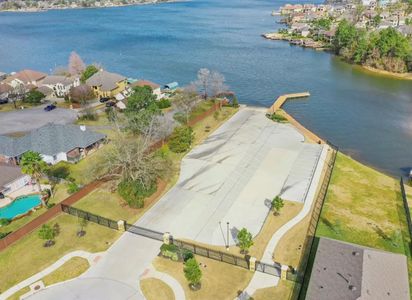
283, 98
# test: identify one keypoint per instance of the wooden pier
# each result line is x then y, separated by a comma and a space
283, 98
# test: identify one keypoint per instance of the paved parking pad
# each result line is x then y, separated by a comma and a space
233, 176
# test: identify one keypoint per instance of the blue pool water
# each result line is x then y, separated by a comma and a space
19, 206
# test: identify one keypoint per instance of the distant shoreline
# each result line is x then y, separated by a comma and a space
280, 37
37, 10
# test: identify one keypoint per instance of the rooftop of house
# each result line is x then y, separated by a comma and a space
5, 88
348, 271
145, 83
9, 174
50, 139
55, 79
105, 80
27, 76
45, 90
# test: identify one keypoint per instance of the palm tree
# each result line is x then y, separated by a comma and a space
32, 164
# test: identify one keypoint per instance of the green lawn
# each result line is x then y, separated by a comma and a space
364, 206
28, 256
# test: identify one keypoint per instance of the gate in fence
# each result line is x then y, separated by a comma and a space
235, 260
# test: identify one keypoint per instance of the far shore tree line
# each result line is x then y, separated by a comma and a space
386, 49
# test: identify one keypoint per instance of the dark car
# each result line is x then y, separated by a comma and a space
50, 107
103, 100
110, 104
4, 101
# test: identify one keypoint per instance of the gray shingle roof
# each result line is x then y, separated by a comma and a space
55, 79
9, 174
50, 139
105, 80
348, 272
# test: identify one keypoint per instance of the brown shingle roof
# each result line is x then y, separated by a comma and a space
9, 174
105, 80
145, 83
27, 76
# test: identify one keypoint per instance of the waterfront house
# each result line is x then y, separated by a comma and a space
3, 76
154, 86
5, 90
348, 271
54, 142
12, 179
60, 85
107, 85
25, 77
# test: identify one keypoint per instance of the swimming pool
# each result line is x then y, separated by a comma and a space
19, 206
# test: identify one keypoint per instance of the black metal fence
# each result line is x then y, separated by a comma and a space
274, 269
301, 273
89, 216
144, 232
235, 260
407, 211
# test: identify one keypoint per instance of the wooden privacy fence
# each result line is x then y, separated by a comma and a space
48, 215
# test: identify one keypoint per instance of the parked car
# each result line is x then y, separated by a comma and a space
103, 100
50, 107
110, 104
4, 101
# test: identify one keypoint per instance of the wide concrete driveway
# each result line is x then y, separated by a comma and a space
29, 119
232, 177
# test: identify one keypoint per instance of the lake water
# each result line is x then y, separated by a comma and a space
368, 116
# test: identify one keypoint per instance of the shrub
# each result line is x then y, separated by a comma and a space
72, 188
245, 240
61, 172
171, 251
181, 139
180, 117
134, 192
33, 97
163, 151
235, 102
192, 272
277, 118
4, 222
47, 233
186, 255
163, 103
89, 115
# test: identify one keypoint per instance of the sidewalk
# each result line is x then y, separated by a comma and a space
91, 257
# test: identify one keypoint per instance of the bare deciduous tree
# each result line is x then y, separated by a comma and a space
76, 64
203, 81
185, 102
217, 83
80, 94
17, 94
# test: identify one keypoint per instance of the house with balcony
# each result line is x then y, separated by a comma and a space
154, 86
60, 85
107, 85
25, 77
54, 142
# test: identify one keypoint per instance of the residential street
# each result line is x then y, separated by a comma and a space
29, 119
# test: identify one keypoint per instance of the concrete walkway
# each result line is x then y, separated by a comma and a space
169, 280
91, 257
257, 281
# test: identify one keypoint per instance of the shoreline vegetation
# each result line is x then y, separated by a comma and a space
78, 4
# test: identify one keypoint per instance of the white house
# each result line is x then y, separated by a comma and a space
25, 77
61, 85
12, 179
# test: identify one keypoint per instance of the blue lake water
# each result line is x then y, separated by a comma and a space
19, 206
368, 116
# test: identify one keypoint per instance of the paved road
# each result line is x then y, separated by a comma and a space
29, 119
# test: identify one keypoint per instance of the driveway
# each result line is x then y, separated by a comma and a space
29, 119
232, 177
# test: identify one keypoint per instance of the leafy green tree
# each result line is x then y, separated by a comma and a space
181, 139
192, 272
322, 23
235, 102
48, 234
393, 44
34, 97
345, 35
141, 108
245, 240
33, 165
277, 204
88, 72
